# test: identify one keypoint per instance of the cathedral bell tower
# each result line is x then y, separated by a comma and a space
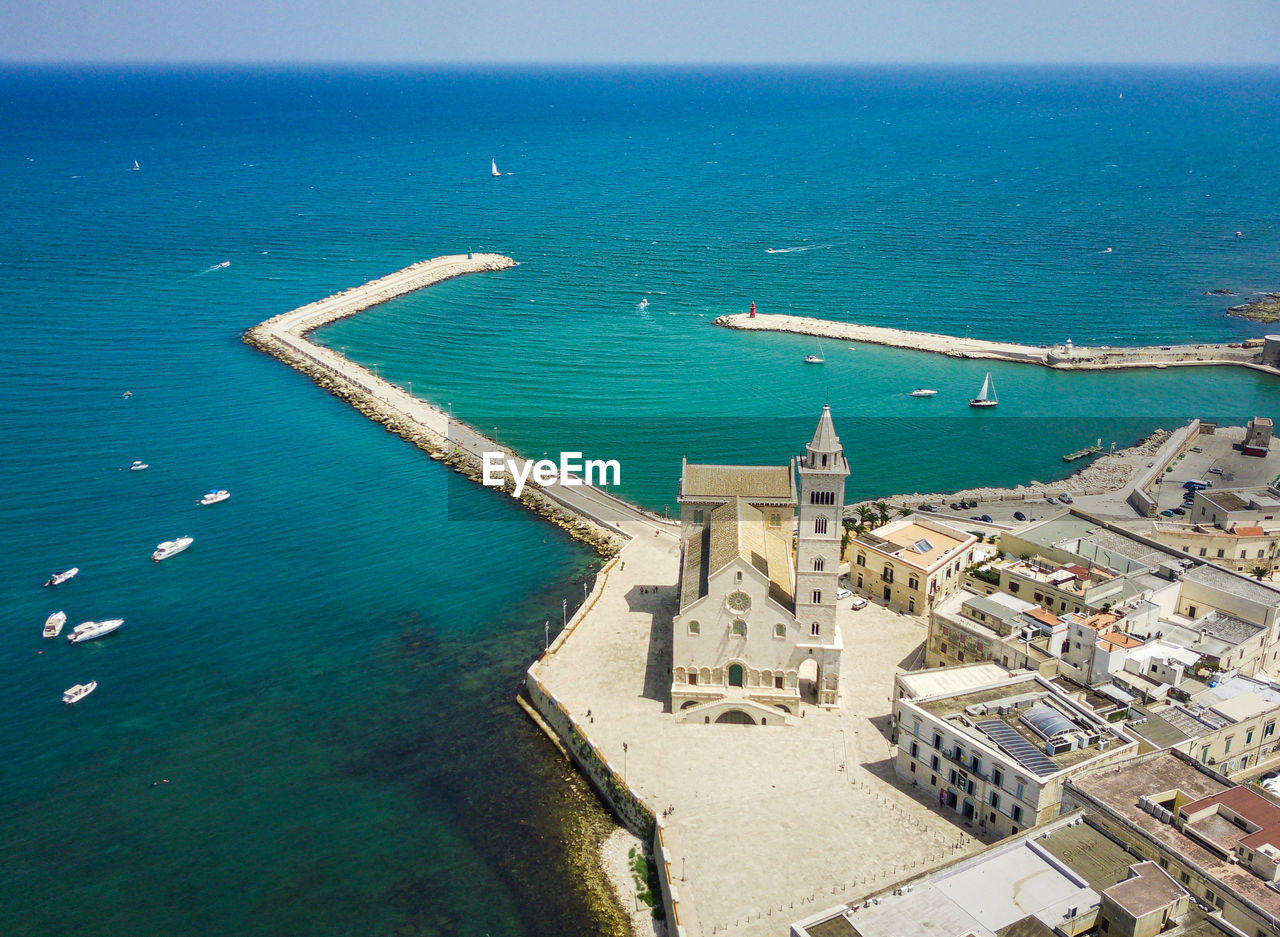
823, 470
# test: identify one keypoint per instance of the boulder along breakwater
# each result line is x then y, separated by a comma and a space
586, 513
1258, 354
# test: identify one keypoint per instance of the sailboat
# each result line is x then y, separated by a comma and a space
136, 167
814, 359
493, 168
987, 396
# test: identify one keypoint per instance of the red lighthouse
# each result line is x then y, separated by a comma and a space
753, 310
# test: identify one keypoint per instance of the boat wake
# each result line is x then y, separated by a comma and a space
223, 265
796, 250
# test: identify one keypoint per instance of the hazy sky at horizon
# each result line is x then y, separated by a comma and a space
1221, 32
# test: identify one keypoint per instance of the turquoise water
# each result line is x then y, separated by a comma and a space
326, 676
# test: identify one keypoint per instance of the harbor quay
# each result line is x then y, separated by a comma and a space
587, 512
1257, 354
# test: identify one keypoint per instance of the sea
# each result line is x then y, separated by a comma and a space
307, 723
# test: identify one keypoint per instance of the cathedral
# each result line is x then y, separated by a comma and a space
756, 632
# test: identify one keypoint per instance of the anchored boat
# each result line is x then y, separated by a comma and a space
171, 548
215, 495
53, 624
923, 392
78, 692
89, 630
58, 579
987, 396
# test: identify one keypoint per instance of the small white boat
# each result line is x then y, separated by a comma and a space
136, 167
923, 392
58, 579
138, 466
644, 303
814, 359
215, 495
53, 624
987, 396
171, 548
493, 168
88, 630
78, 692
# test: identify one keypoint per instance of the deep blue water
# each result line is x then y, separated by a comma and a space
326, 676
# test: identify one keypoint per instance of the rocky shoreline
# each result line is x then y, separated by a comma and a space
1263, 308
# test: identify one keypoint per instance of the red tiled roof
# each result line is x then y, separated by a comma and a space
1039, 614
1250, 532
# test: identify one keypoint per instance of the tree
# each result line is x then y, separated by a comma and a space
904, 512
865, 514
1259, 572
882, 513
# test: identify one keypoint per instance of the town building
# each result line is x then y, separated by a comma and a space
1066, 878
997, 754
1218, 841
909, 564
1257, 436
756, 633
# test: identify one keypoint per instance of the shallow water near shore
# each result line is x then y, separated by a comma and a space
326, 676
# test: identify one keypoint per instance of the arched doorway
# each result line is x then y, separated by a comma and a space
736, 676
809, 680
734, 717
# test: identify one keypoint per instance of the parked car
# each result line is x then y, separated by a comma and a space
843, 593
1179, 511
1065, 498
928, 508
1051, 500
1168, 513
1019, 516
1196, 449
986, 518
1215, 471
859, 602
972, 504
954, 505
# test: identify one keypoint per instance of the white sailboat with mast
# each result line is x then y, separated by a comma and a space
987, 396
493, 168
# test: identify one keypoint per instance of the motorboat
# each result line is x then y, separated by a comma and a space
87, 631
138, 466
214, 495
171, 548
78, 692
814, 359
53, 624
923, 392
987, 396
58, 579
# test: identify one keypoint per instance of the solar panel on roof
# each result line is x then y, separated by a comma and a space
1018, 748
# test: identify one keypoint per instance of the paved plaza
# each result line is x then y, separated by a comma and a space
768, 823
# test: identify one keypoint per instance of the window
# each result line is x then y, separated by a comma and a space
1202, 549
995, 800
913, 767
937, 740
1204, 754
913, 583
1013, 587
911, 605
779, 630
887, 576
1259, 554
819, 525
1269, 729
775, 519
996, 776
695, 627
862, 559
1248, 738
698, 517
934, 763
693, 678
817, 596
822, 497
1018, 794
1227, 749
815, 630
915, 750
819, 564
1016, 814
1221, 553
738, 627
777, 682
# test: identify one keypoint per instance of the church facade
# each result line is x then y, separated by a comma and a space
756, 635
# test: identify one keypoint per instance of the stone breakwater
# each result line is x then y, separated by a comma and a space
416, 421
1248, 354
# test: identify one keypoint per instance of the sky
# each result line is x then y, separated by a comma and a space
1221, 32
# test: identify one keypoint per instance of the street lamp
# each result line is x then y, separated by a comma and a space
624, 761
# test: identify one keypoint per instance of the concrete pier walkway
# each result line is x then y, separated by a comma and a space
588, 512
1248, 354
